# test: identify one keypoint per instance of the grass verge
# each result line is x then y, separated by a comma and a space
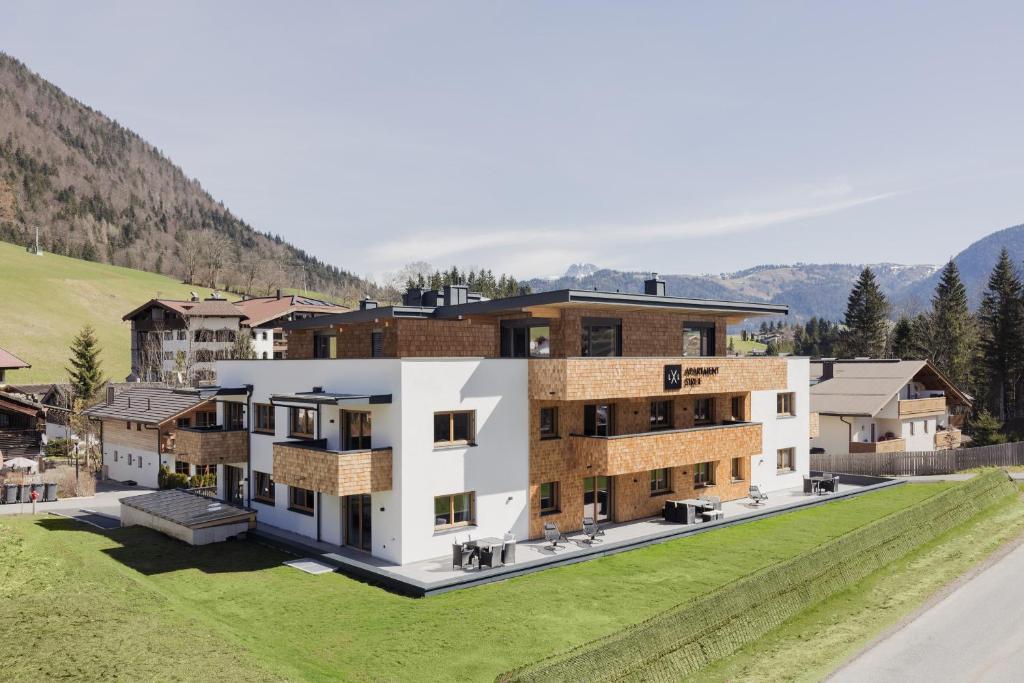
814, 643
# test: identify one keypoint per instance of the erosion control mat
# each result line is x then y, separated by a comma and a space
683, 639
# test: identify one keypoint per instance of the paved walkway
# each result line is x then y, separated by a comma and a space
976, 633
107, 501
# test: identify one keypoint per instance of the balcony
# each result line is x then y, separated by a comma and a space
948, 438
576, 379
310, 465
622, 454
214, 445
918, 407
886, 446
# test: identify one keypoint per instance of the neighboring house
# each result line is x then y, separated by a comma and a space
8, 361
22, 423
177, 342
871, 406
140, 430
397, 430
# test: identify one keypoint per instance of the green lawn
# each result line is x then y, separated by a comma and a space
811, 645
142, 607
740, 346
46, 299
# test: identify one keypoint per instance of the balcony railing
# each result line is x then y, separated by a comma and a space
886, 446
308, 464
922, 406
210, 445
644, 451
948, 438
575, 379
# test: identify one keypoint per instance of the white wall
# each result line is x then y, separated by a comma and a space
121, 470
782, 432
923, 436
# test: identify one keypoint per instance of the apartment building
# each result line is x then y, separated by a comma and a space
178, 342
882, 406
397, 429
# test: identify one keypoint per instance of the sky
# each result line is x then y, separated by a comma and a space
686, 137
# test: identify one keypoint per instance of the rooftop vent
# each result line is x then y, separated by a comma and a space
318, 390
195, 297
654, 286
430, 298
455, 295
279, 294
366, 303
413, 297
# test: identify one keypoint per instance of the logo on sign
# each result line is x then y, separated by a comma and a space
673, 376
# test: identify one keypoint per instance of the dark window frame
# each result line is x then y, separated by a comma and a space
591, 426
470, 519
662, 414
517, 337
706, 340
264, 489
263, 413
307, 505
703, 417
451, 440
587, 327
297, 424
703, 474
659, 484
325, 346
551, 433
553, 505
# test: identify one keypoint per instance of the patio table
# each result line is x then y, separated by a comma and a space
494, 544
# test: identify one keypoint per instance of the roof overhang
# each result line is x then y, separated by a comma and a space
313, 398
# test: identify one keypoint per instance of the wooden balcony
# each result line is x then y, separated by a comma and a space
919, 407
309, 465
575, 379
209, 445
948, 438
622, 454
814, 425
887, 446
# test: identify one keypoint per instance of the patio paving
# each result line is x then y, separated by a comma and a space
437, 575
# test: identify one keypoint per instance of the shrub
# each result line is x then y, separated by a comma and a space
166, 479
985, 430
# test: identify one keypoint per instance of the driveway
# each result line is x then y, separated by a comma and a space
107, 501
976, 633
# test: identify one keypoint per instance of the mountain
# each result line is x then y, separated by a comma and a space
809, 289
98, 191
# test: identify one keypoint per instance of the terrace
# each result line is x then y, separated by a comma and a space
438, 576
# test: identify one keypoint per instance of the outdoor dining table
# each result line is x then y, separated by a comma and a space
494, 544
816, 482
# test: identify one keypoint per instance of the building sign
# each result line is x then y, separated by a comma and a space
676, 377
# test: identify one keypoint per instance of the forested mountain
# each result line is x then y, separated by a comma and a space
98, 191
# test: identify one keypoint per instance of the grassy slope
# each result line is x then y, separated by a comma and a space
740, 346
236, 598
810, 646
45, 300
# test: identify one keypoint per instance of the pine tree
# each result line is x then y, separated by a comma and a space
902, 342
85, 374
985, 430
1000, 321
867, 313
950, 335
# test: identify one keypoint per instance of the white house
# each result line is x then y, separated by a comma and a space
872, 406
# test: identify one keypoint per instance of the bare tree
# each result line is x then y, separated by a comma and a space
249, 271
190, 248
216, 250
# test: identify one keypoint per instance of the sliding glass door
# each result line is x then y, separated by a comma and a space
597, 498
356, 511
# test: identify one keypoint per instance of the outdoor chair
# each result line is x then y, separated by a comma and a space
591, 529
488, 558
810, 486
552, 535
711, 515
757, 496
714, 501
508, 552
460, 557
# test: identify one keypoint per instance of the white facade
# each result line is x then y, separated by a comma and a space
782, 431
836, 432
131, 463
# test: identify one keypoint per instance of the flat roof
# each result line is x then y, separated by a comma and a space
555, 297
185, 508
329, 398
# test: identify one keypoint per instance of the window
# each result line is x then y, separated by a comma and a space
168, 335
182, 467
698, 339
454, 510
454, 427
233, 413
549, 423
181, 335
598, 420
549, 498
661, 481
784, 405
264, 418
601, 337
301, 421
138, 426
115, 456
300, 500
737, 469
703, 410
183, 422
127, 425
206, 470
356, 427
325, 346
704, 474
912, 428
737, 408
661, 415
377, 344
129, 460
264, 490
140, 462
525, 339
205, 418
925, 425
785, 459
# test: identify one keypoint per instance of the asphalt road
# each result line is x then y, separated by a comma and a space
976, 633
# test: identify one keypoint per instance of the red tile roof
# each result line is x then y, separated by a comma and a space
8, 361
264, 309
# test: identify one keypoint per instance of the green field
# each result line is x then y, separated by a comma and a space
743, 347
138, 606
45, 300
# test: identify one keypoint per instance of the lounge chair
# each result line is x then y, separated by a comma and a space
552, 535
757, 496
591, 529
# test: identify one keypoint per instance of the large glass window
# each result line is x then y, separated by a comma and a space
549, 423
737, 408
263, 491
598, 420
325, 346
549, 497
703, 411
698, 339
661, 415
525, 339
454, 510
301, 421
661, 481
452, 428
601, 337
355, 430
264, 418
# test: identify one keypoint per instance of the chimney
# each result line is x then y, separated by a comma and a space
110, 394
318, 390
366, 303
413, 297
455, 295
654, 286
430, 298
279, 294
828, 368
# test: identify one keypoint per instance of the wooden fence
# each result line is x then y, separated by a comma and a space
908, 464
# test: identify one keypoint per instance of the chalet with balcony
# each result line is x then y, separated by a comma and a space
880, 406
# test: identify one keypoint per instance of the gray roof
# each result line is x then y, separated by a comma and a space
328, 397
558, 296
184, 508
145, 404
862, 388
215, 308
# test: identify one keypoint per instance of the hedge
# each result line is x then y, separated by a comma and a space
685, 638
